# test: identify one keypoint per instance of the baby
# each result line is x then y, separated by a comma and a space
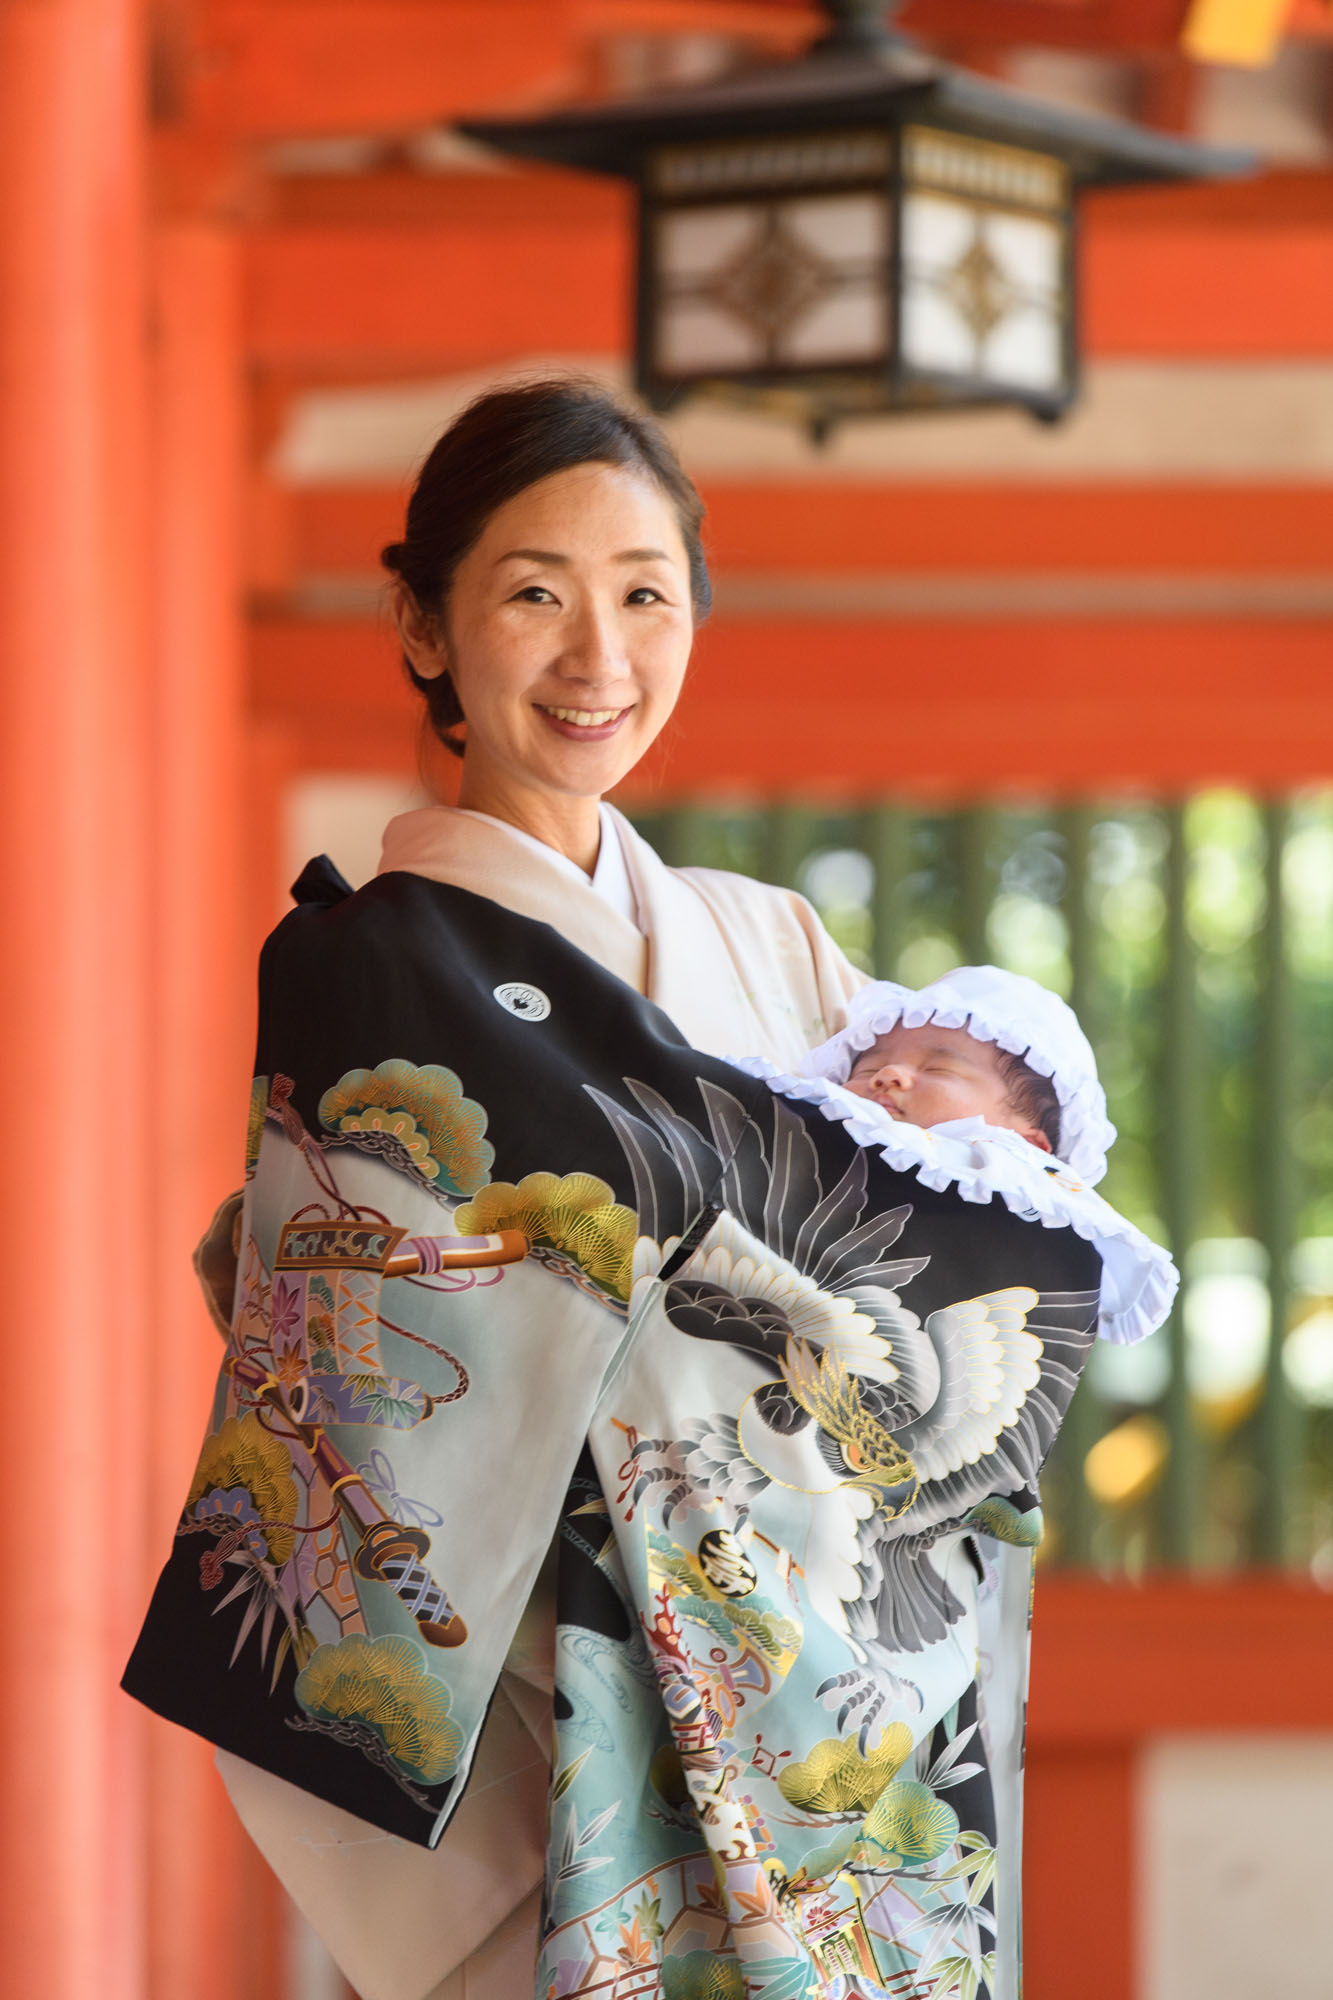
984, 1080
978, 1046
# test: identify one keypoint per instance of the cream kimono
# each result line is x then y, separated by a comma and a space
523, 1265
739, 966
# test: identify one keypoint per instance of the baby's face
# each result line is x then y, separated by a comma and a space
926, 1076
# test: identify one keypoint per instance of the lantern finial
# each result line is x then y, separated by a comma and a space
856, 27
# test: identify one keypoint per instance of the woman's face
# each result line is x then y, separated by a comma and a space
567, 631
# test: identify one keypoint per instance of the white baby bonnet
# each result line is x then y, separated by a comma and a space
995, 1006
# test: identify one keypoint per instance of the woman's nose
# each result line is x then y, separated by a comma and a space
593, 651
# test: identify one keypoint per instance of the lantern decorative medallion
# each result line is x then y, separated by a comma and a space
865, 230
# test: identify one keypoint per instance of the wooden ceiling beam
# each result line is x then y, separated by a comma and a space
1108, 27
373, 304
785, 527
258, 70
1049, 706
403, 198
324, 67
511, 273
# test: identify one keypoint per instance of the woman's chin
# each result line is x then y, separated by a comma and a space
588, 766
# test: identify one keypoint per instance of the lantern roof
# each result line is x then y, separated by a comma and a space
856, 77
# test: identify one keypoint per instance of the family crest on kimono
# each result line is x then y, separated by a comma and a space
607, 1569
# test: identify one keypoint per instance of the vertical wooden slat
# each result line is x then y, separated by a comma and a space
1180, 1149
887, 835
1083, 1424
1279, 1428
786, 842
681, 836
976, 884
786, 833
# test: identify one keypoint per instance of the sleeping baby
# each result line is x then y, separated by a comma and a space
978, 1048
984, 1081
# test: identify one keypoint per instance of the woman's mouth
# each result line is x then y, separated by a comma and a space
582, 725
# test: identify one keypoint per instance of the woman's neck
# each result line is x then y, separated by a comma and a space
572, 826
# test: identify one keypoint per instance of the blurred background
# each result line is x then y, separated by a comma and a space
1061, 697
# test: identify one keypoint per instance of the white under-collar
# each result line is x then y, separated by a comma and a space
609, 879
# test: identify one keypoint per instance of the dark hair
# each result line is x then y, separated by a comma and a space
1031, 1096
500, 445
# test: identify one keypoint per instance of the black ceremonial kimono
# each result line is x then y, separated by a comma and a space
516, 1261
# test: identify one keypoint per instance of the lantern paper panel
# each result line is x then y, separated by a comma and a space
791, 275
984, 273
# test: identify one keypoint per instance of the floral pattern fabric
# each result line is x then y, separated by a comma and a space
508, 1275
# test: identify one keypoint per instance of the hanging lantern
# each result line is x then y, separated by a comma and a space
867, 229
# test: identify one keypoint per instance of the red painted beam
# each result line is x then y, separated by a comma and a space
77, 790
827, 529
1080, 1923
1231, 530
338, 66
541, 264
373, 303
1126, 27
1227, 294
860, 708
200, 1023
1113, 1665
313, 66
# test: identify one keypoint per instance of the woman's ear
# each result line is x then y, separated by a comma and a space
420, 632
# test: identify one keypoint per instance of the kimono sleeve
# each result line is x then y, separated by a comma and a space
433, 1282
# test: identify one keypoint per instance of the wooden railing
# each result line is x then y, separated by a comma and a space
1195, 940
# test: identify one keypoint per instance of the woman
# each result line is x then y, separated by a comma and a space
524, 1265
546, 592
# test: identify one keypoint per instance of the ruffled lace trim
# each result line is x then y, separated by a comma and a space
1139, 1280
1086, 1130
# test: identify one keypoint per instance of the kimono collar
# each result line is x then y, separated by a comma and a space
733, 963
474, 852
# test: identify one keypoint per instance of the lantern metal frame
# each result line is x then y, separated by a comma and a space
860, 77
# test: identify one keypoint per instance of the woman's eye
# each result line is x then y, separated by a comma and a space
645, 594
534, 593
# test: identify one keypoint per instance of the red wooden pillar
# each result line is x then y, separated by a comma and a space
202, 1013
78, 1118
1080, 1923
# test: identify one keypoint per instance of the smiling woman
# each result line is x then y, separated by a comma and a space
523, 1267
546, 591
546, 594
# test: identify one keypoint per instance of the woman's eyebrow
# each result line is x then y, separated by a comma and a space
553, 556
530, 555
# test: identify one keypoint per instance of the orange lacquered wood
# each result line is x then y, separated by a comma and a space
74, 835
529, 266
1115, 1664
1080, 1923
1112, 1667
864, 708
364, 302
1219, 294
956, 526
202, 999
319, 66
